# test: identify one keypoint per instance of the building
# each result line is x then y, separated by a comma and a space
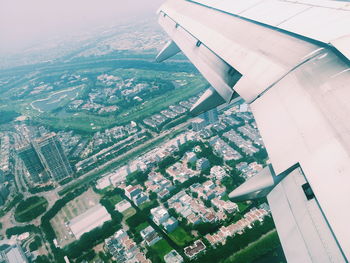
103, 183
140, 198
210, 116
2, 177
196, 248
150, 235
4, 192
202, 164
90, 219
14, 254
198, 124
122, 206
170, 224
243, 107
173, 257
124, 249
32, 162
218, 172
191, 157
132, 191
159, 215
52, 156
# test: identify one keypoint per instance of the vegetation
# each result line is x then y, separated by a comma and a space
17, 230
38, 189
42, 259
47, 227
35, 244
181, 237
92, 238
31, 208
157, 252
7, 116
138, 177
258, 249
236, 243
141, 226
110, 199
16, 199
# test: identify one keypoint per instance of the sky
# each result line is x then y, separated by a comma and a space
24, 22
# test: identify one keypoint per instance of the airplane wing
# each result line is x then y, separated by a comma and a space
289, 59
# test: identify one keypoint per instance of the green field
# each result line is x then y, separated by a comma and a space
141, 226
186, 81
82, 121
242, 206
147, 204
129, 212
161, 248
180, 237
31, 208
115, 199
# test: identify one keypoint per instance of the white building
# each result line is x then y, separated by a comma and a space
173, 257
90, 219
15, 254
159, 215
198, 124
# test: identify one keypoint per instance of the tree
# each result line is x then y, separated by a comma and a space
172, 212
206, 228
33, 246
42, 259
153, 196
17, 230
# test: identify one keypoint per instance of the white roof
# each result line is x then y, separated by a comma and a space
15, 255
92, 218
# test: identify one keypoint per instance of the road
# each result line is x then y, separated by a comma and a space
120, 157
52, 195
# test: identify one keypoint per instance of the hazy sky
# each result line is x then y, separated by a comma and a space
23, 22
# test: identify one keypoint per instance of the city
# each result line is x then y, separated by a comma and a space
101, 161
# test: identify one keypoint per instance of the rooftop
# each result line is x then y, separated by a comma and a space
90, 219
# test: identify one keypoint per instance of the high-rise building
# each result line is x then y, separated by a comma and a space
45, 157
32, 162
52, 156
198, 124
211, 116
4, 192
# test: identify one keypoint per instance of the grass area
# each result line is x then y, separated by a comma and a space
258, 249
81, 121
31, 208
147, 204
129, 212
161, 248
225, 197
115, 199
180, 237
159, 103
141, 227
242, 206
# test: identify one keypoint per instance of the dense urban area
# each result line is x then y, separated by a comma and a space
101, 162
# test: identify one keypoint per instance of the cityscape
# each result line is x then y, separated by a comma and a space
100, 161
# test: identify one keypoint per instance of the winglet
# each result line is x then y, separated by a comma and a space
169, 50
209, 100
257, 186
